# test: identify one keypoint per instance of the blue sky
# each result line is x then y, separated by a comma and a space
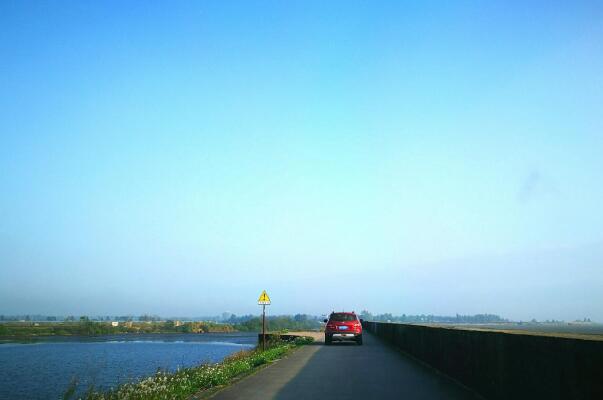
178, 158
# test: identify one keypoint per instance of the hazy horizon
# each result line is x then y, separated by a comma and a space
484, 294
396, 157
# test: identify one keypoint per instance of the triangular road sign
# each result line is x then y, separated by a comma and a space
264, 299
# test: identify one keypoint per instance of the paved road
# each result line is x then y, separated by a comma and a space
346, 371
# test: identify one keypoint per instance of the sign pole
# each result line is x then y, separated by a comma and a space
264, 301
263, 327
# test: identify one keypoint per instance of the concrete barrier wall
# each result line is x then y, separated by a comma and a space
500, 365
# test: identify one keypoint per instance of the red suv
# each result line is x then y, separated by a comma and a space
343, 326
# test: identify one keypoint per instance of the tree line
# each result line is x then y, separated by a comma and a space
298, 322
429, 318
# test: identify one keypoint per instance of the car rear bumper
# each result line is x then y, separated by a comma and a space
343, 336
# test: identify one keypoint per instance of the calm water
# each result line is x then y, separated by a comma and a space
43, 370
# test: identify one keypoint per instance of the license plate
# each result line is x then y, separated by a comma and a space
343, 328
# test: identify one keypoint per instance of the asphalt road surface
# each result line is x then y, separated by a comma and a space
346, 371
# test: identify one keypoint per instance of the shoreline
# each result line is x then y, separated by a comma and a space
201, 380
34, 337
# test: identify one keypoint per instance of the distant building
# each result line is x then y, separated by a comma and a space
114, 323
128, 324
177, 323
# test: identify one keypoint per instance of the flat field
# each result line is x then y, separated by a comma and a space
577, 330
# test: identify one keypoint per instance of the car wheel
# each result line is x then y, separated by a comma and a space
359, 340
328, 340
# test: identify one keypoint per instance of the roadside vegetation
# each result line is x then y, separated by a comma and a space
186, 382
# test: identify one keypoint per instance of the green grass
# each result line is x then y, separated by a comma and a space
188, 381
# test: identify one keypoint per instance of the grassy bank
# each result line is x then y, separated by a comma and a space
85, 327
185, 382
31, 329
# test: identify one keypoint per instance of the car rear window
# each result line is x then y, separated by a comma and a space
342, 317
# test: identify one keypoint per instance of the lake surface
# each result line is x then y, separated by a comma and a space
43, 369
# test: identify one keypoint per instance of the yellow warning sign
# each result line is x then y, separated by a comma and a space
264, 299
